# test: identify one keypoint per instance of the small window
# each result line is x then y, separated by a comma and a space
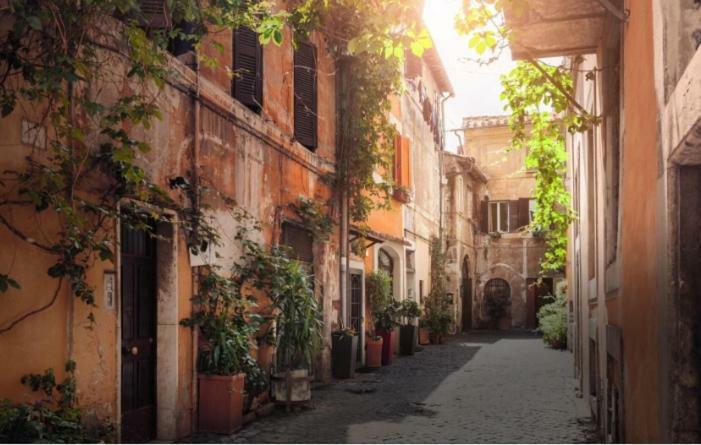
499, 216
247, 84
300, 241
305, 100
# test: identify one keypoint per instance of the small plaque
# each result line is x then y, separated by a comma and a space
110, 289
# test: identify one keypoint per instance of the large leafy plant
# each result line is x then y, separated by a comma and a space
552, 320
378, 287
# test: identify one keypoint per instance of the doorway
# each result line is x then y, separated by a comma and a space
138, 345
466, 295
356, 310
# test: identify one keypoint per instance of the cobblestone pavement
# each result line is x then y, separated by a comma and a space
478, 387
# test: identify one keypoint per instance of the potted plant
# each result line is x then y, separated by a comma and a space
226, 325
344, 352
373, 350
423, 331
439, 323
408, 332
298, 331
384, 311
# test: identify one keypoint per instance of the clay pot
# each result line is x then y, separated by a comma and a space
423, 336
388, 341
436, 339
220, 403
373, 353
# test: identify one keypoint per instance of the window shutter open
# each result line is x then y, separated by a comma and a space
523, 213
484, 216
513, 216
247, 85
305, 95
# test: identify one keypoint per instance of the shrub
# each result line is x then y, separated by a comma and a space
53, 418
552, 321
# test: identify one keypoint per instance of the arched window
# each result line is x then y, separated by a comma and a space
497, 289
386, 263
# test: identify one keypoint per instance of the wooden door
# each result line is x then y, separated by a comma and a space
356, 312
466, 295
138, 307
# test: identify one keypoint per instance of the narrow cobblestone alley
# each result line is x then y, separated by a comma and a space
476, 388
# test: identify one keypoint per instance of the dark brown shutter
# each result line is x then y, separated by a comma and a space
305, 95
523, 212
513, 216
300, 241
484, 215
247, 85
153, 13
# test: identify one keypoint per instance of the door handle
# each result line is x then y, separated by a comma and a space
133, 350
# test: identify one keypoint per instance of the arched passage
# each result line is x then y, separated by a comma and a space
497, 297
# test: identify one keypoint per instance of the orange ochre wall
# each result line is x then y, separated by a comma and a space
286, 171
637, 314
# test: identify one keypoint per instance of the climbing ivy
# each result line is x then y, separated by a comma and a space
540, 100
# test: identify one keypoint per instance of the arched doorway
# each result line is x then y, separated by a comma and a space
497, 297
466, 294
385, 262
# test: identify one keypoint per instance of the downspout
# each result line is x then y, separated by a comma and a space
196, 205
440, 168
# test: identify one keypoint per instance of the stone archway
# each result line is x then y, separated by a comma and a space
517, 285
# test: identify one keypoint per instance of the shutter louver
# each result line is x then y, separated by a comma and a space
154, 13
305, 100
247, 85
513, 216
523, 212
484, 216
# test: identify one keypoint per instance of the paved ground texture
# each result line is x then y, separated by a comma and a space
478, 387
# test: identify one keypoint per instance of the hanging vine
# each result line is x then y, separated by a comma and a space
541, 101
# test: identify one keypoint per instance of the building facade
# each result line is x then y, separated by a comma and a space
243, 140
633, 262
499, 201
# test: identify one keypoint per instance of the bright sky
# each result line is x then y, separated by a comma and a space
476, 87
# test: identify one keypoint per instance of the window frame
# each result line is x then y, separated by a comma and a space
495, 226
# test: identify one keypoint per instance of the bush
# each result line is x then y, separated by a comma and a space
552, 321
54, 418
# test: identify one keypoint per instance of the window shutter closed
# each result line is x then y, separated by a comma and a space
523, 213
513, 216
247, 85
154, 13
484, 213
305, 95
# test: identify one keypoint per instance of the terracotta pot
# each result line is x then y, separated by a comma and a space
220, 403
388, 341
373, 353
423, 336
299, 389
436, 339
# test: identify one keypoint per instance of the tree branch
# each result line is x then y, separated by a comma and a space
24, 237
559, 86
35, 311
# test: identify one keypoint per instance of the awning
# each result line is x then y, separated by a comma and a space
374, 237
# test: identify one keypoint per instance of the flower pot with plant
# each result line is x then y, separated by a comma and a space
410, 311
344, 352
423, 332
384, 311
227, 325
299, 331
373, 350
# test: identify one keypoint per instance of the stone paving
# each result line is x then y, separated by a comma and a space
478, 387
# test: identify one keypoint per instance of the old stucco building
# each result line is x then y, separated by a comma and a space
491, 251
251, 147
633, 263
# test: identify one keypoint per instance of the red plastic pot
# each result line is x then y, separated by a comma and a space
388, 340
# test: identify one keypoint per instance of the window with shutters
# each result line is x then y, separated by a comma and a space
155, 17
397, 170
305, 91
499, 216
300, 241
247, 83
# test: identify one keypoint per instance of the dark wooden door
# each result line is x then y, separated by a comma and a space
466, 295
356, 309
138, 307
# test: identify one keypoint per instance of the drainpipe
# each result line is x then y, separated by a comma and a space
196, 204
440, 169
